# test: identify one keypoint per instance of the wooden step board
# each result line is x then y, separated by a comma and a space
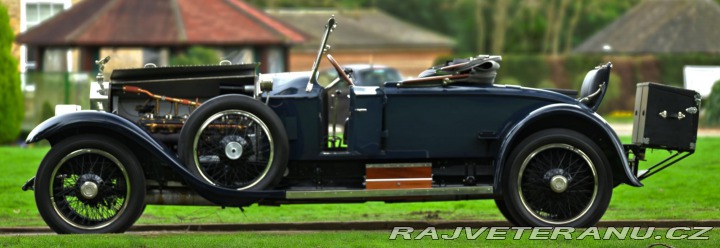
398, 176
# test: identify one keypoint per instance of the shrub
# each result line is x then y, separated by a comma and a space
11, 98
546, 84
612, 95
46, 111
711, 115
507, 81
196, 55
529, 70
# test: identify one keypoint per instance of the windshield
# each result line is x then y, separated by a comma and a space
377, 77
363, 77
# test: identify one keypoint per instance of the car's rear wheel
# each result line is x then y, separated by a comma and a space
503, 207
235, 142
557, 177
90, 184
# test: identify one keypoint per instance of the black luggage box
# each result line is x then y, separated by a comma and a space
665, 117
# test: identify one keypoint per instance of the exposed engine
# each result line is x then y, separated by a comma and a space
150, 96
164, 126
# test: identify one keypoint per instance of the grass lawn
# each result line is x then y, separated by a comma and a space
684, 191
338, 239
618, 118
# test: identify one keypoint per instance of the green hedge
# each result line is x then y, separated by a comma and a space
671, 66
197, 55
11, 98
526, 69
711, 108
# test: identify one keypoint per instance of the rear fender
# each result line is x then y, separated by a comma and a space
559, 116
63, 126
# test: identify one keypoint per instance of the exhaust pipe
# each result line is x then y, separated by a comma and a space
178, 197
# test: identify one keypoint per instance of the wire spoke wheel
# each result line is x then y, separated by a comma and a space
90, 184
89, 188
556, 177
235, 142
557, 183
233, 149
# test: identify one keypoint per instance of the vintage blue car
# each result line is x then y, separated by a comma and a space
223, 135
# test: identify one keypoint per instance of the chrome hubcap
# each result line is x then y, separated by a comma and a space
558, 184
233, 150
89, 190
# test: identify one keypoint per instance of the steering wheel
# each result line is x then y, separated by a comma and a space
339, 70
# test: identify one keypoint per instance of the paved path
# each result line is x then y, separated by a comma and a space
625, 129
361, 225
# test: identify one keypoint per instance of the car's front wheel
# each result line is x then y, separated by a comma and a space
557, 177
90, 184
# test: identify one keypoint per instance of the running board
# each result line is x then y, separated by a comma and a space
350, 194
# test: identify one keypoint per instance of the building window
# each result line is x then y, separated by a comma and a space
32, 13
238, 55
151, 55
276, 60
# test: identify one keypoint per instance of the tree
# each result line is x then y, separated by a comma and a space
578, 9
495, 26
557, 26
500, 26
712, 108
480, 24
11, 98
196, 55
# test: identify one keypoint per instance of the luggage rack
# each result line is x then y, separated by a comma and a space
638, 153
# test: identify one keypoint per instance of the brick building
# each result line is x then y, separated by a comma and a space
147, 32
365, 37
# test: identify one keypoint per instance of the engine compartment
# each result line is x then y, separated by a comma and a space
160, 99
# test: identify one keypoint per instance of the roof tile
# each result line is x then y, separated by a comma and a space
368, 28
161, 22
660, 26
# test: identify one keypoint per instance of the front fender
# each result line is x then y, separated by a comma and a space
603, 129
54, 128
59, 127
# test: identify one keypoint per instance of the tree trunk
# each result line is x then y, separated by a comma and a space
572, 25
559, 21
500, 24
550, 19
480, 25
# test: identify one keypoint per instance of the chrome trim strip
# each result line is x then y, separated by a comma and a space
195, 78
398, 179
447, 191
398, 165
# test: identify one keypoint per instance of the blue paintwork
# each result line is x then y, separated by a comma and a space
578, 111
365, 124
299, 112
447, 122
63, 124
457, 121
433, 122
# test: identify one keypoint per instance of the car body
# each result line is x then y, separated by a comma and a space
222, 135
338, 94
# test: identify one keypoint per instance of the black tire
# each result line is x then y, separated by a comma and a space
90, 184
503, 207
582, 179
235, 142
